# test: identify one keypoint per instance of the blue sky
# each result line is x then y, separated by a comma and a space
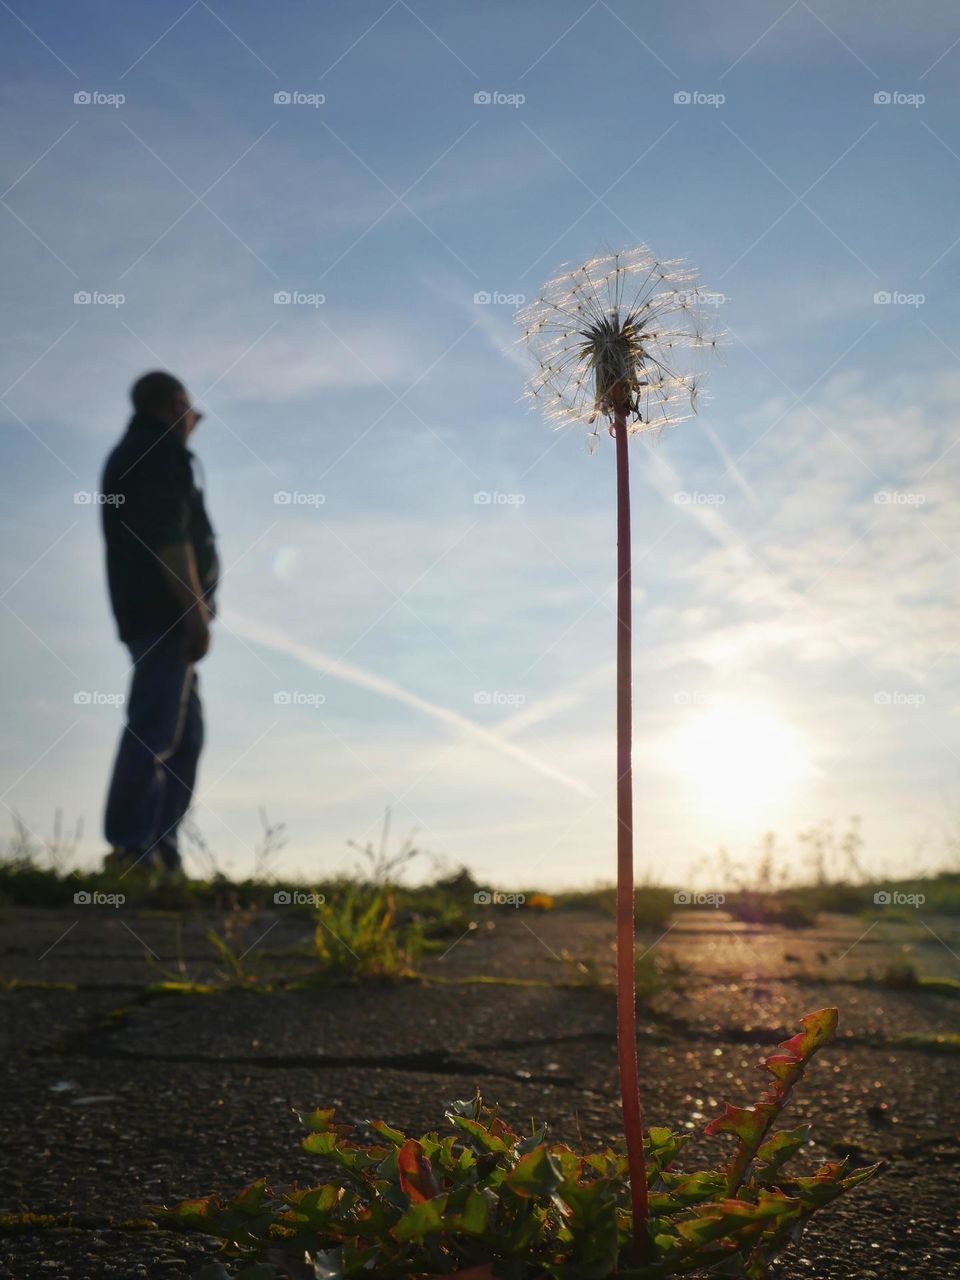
386, 639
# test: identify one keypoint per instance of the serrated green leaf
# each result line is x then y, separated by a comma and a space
480, 1134
818, 1028
468, 1107
748, 1123
320, 1143
251, 1198
198, 1209
695, 1187
535, 1175
319, 1121
394, 1136
862, 1175
420, 1220
787, 1140
534, 1140
318, 1202
568, 1161
475, 1214
773, 1154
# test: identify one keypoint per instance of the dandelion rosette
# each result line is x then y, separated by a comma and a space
621, 332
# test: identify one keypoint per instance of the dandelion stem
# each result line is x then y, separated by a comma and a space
626, 981
605, 336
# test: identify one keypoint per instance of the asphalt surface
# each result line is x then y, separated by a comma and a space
114, 1099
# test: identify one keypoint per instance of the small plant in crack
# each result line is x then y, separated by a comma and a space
178, 978
381, 866
357, 936
485, 1201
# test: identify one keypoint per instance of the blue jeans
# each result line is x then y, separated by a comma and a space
156, 765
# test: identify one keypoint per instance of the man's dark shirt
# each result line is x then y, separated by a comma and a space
150, 501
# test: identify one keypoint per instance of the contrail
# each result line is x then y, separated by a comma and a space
317, 660
730, 463
666, 480
546, 708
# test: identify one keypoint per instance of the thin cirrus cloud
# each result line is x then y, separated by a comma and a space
798, 590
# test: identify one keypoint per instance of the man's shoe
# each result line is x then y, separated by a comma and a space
166, 856
120, 861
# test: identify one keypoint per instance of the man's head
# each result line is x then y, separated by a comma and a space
162, 396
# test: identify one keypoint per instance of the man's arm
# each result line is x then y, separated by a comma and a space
163, 517
180, 571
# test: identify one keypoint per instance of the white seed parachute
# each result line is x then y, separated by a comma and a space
622, 325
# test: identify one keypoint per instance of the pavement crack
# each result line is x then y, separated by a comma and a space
431, 1062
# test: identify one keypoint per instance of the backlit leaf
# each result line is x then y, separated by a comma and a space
416, 1173
420, 1220
536, 1174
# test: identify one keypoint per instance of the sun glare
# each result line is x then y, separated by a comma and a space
739, 760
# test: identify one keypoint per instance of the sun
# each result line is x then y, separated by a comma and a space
739, 759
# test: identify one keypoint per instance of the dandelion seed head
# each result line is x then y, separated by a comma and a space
623, 329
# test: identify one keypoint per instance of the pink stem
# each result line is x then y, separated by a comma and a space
626, 983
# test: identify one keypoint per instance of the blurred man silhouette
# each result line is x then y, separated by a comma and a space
162, 571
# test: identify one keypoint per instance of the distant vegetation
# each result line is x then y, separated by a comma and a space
38, 873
